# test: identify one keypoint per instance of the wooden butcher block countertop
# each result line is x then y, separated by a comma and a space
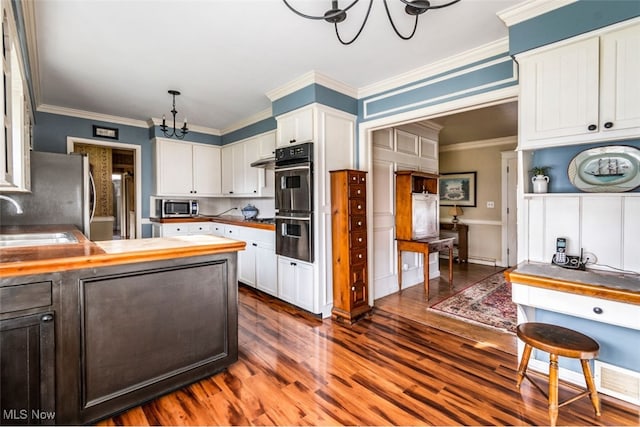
25, 260
226, 219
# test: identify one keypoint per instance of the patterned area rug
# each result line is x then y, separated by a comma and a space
487, 303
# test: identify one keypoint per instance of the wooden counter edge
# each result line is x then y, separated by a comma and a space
221, 220
105, 260
597, 291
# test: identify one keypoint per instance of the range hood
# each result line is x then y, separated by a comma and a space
267, 163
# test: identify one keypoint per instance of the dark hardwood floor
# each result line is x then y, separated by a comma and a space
387, 369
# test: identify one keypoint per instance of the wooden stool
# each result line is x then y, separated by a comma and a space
558, 341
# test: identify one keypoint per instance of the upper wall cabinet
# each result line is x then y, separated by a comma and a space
581, 91
186, 169
295, 127
239, 179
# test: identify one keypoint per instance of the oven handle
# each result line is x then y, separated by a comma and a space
297, 218
299, 166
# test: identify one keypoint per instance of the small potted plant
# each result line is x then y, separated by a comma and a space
540, 180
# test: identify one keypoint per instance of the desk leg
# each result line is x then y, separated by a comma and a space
425, 270
451, 267
399, 269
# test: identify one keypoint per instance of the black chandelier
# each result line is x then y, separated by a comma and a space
335, 15
178, 133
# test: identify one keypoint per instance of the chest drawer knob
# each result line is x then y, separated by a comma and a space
597, 310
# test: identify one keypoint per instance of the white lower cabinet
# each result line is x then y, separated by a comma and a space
295, 282
181, 229
218, 229
257, 266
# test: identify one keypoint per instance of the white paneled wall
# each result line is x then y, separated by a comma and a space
605, 226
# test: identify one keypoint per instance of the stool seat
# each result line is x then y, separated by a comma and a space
558, 341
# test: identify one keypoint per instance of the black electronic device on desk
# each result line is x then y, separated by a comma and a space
560, 258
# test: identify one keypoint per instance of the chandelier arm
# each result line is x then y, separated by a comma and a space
322, 17
393, 25
366, 17
410, 3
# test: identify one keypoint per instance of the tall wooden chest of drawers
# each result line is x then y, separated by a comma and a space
349, 244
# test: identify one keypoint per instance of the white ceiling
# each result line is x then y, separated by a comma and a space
119, 57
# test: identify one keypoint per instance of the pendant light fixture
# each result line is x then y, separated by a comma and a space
178, 133
335, 15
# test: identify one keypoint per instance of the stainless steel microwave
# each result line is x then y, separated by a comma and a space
174, 208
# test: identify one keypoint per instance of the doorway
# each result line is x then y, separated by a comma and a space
383, 244
115, 168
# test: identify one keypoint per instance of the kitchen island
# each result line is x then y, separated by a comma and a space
115, 323
602, 305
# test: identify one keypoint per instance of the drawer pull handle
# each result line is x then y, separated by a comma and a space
597, 310
359, 223
360, 239
592, 127
608, 125
359, 191
359, 206
360, 256
47, 318
353, 288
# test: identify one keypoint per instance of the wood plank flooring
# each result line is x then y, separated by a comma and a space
296, 369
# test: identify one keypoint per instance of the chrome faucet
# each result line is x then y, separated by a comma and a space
9, 199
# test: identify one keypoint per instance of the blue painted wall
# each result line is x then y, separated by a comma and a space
618, 345
558, 158
314, 93
571, 20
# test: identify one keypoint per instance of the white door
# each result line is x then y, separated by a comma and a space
509, 206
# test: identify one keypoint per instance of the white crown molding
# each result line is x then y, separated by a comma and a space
264, 114
310, 78
530, 9
154, 121
473, 55
29, 14
53, 109
507, 140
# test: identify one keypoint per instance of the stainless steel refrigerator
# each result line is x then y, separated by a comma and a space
61, 193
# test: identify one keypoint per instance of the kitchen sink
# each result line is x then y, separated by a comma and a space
37, 239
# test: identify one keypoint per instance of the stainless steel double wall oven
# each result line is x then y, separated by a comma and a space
294, 201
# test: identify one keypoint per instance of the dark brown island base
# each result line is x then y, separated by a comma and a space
91, 329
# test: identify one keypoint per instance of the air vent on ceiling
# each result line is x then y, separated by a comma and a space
617, 382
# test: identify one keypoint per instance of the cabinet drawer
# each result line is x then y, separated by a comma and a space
600, 310
357, 207
200, 228
357, 190
358, 255
358, 274
24, 297
440, 246
357, 223
181, 229
355, 177
358, 239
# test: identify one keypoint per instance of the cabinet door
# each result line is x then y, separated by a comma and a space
227, 170
559, 91
620, 91
206, 171
304, 285
27, 369
286, 279
295, 128
267, 145
267, 268
239, 165
247, 264
252, 181
174, 162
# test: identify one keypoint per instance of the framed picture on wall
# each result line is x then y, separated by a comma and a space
458, 189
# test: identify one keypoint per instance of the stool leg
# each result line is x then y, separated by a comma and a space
553, 388
593, 394
523, 364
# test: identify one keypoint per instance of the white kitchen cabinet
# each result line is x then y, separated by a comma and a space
218, 229
580, 91
239, 178
186, 169
295, 282
295, 127
257, 263
180, 229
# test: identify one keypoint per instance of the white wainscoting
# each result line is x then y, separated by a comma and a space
604, 225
